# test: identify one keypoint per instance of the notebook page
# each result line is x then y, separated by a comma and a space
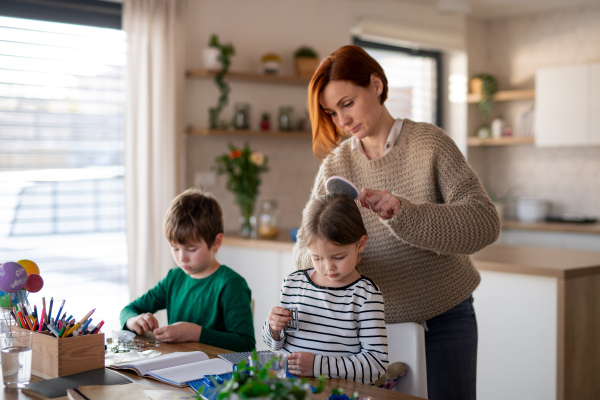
181, 374
164, 361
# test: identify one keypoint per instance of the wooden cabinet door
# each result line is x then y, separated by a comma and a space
562, 106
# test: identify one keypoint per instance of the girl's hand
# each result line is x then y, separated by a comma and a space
381, 202
179, 332
142, 323
300, 363
278, 319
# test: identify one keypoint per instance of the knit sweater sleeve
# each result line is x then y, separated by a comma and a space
372, 360
463, 220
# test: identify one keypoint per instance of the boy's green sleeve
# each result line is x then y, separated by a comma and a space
237, 314
155, 299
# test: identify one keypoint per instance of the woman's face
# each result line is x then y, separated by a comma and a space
353, 109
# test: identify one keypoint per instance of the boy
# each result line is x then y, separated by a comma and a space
206, 302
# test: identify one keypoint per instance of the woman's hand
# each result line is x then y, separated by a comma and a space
381, 202
278, 319
142, 323
300, 363
179, 332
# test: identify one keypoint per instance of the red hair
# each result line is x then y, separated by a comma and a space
348, 63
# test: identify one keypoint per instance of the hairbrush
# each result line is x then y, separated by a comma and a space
337, 184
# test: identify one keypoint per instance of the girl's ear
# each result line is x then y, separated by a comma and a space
362, 242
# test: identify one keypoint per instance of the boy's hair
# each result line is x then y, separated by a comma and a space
193, 216
334, 217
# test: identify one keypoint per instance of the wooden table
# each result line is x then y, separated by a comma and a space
348, 386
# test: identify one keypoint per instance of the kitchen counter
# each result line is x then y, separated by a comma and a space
593, 228
540, 261
281, 243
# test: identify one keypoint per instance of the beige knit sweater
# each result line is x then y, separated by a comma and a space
420, 258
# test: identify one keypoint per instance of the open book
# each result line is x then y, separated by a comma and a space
177, 368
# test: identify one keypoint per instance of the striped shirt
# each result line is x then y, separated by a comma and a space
344, 327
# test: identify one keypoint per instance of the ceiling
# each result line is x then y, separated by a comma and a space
492, 9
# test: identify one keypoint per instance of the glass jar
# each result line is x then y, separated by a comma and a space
241, 119
268, 219
285, 118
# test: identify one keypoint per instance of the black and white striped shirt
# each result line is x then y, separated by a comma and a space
344, 327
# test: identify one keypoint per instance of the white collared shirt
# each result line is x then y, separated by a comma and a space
356, 145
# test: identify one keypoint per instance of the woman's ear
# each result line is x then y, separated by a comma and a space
377, 84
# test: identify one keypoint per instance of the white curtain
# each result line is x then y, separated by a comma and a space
155, 77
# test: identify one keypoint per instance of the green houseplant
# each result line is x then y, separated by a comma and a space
307, 61
243, 168
485, 105
224, 57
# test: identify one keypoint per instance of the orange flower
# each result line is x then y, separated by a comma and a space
235, 154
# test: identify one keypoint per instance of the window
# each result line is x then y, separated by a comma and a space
62, 93
414, 81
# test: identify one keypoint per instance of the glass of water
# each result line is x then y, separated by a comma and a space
16, 358
280, 365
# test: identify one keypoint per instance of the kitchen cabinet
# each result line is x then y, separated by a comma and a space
538, 311
567, 106
264, 268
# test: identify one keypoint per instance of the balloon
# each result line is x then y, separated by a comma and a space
29, 266
12, 277
34, 283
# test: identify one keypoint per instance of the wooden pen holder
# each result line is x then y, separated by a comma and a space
54, 357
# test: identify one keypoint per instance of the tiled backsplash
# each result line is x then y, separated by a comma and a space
568, 177
289, 181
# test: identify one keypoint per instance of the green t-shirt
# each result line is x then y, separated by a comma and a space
220, 303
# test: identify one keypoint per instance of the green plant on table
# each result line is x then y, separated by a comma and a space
253, 381
226, 51
243, 168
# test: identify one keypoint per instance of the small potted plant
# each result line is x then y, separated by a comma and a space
271, 63
265, 123
306, 60
224, 53
486, 86
260, 382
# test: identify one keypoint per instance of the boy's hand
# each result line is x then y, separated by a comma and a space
278, 319
300, 363
179, 332
142, 323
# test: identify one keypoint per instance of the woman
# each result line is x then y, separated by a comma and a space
423, 206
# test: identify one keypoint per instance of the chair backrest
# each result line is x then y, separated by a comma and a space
406, 343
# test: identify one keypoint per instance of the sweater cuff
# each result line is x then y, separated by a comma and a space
320, 366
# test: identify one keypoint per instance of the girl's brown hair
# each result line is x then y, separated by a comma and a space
193, 215
334, 217
348, 63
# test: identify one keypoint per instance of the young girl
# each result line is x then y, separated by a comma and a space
341, 325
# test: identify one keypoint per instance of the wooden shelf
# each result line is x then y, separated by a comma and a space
474, 141
250, 77
505, 95
249, 133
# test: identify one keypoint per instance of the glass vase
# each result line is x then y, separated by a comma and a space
247, 221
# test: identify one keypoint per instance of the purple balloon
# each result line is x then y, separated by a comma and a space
12, 277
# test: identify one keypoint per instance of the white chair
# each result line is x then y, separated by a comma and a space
406, 343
